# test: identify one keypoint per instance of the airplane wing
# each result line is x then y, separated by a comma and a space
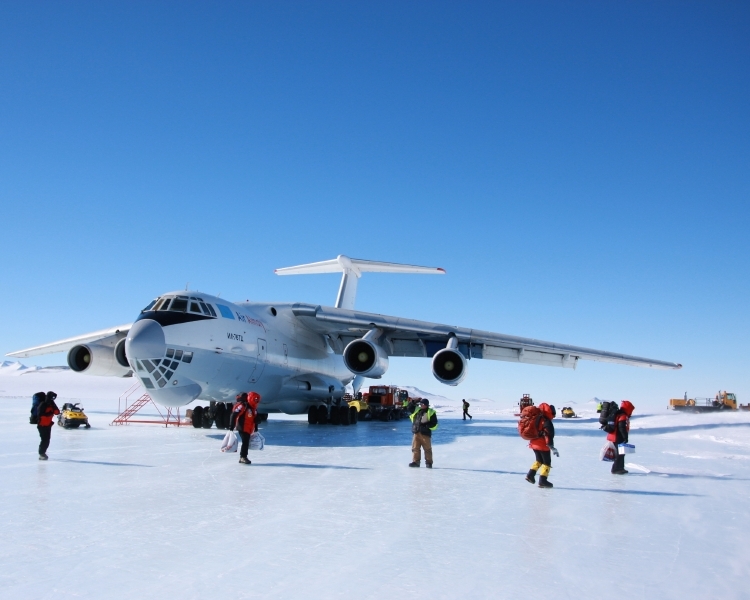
66, 344
407, 337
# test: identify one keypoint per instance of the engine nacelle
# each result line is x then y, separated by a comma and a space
449, 366
364, 357
95, 359
120, 356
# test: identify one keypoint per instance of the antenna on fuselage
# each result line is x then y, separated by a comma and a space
352, 269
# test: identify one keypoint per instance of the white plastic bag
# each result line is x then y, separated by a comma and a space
257, 441
229, 444
626, 449
608, 452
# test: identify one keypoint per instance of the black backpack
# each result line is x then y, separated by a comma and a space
36, 401
607, 416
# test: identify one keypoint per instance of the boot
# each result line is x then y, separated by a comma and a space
618, 466
530, 476
414, 464
428, 465
244, 460
543, 472
543, 483
43, 457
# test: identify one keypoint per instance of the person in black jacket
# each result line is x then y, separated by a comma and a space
466, 410
47, 410
620, 435
423, 423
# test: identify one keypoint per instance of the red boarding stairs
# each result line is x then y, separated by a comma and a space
127, 411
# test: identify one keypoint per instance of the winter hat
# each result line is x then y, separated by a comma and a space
253, 398
627, 407
51, 395
425, 402
547, 410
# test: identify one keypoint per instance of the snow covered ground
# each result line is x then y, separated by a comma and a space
334, 512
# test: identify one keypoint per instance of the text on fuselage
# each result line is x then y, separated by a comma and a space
235, 336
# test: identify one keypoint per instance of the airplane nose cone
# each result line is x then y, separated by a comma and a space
145, 340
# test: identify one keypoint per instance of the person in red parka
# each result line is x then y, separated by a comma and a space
620, 435
46, 411
543, 447
244, 419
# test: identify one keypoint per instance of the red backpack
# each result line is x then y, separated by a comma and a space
530, 425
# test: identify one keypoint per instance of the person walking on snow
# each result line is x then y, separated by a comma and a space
423, 423
244, 419
543, 447
620, 435
466, 410
46, 411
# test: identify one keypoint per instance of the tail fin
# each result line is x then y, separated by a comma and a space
352, 269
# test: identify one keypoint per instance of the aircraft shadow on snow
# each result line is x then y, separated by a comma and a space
398, 433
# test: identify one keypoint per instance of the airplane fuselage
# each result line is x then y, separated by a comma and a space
239, 347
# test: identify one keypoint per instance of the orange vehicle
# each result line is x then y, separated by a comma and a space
383, 403
523, 403
721, 401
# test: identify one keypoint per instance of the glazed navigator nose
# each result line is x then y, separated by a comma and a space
145, 340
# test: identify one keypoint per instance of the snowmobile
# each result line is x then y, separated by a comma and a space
72, 417
568, 413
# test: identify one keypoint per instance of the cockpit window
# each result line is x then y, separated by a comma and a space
225, 311
179, 304
182, 304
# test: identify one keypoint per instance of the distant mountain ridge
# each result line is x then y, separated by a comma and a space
11, 367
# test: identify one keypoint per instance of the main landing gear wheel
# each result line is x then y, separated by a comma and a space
353, 415
221, 410
322, 414
207, 419
197, 417
312, 415
335, 416
344, 415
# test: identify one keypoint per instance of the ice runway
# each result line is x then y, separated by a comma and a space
329, 512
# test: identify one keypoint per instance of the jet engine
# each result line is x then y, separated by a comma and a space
120, 356
96, 359
449, 365
365, 357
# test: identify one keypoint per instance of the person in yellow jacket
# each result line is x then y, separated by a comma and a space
423, 423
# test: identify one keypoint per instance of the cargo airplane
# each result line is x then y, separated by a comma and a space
300, 357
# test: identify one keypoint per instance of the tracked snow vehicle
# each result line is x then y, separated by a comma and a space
72, 417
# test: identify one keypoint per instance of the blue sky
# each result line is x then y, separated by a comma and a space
581, 170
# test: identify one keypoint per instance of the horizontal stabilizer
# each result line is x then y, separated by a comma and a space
352, 269
357, 265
